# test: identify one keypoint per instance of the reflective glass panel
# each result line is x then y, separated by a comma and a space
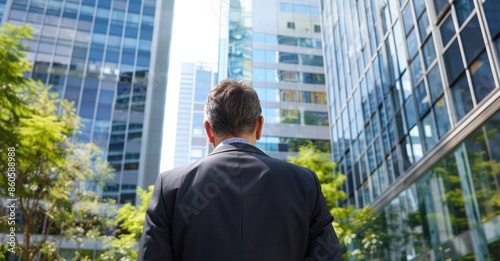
482, 169
423, 25
416, 69
439, 5
291, 58
430, 133
435, 83
87, 107
287, 40
482, 79
462, 97
453, 61
441, 113
407, 153
492, 9
429, 52
472, 40
447, 30
411, 41
419, 7
408, 18
106, 99
423, 99
314, 60
411, 117
463, 9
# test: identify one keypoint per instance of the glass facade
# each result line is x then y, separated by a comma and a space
453, 210
277, 46
406, 80
191, 143
100, 55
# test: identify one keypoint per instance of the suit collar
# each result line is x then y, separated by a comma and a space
237, 146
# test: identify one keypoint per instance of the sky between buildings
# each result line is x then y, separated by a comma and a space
195, 38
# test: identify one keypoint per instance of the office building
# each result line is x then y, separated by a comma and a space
276, 45
110, 57
191, 143
413, 96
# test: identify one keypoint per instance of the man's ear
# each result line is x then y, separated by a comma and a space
209, 131
258, 126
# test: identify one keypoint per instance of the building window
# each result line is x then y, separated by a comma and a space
317, 28
290, 25
288, 76
291, 58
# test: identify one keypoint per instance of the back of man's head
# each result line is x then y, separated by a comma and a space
232, 108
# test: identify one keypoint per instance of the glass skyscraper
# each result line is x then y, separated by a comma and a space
191, 142
276, 45
413, 96
110, 57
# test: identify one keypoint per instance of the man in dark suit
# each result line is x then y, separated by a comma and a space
238, 203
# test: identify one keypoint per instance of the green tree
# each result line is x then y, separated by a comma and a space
56, 179
356, 229
129, 221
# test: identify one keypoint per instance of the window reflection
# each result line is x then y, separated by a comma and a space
441, 113
439, 6
482, 79
462, 97
105, 103
430, 133
423, 25
492, 9
483, 171
139, 98
408, 18
416, 69
275, 115
88, 99
429, 52
123, 96
411, 117
269, 143
271, 39
453, 61
472, 39
423, 99
197, 124
412, 44
463, 9
291, 58
447, 30
448, 210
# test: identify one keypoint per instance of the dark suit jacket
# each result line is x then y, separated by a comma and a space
238, 204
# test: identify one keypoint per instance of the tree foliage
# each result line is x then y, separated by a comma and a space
357, 229
129, 220
56, 179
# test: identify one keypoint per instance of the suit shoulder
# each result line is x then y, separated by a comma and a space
177, 174
300, 171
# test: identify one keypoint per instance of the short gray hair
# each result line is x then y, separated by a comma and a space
232, 107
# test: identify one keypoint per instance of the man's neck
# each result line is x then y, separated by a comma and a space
250, 138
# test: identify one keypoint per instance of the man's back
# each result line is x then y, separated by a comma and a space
238, 204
